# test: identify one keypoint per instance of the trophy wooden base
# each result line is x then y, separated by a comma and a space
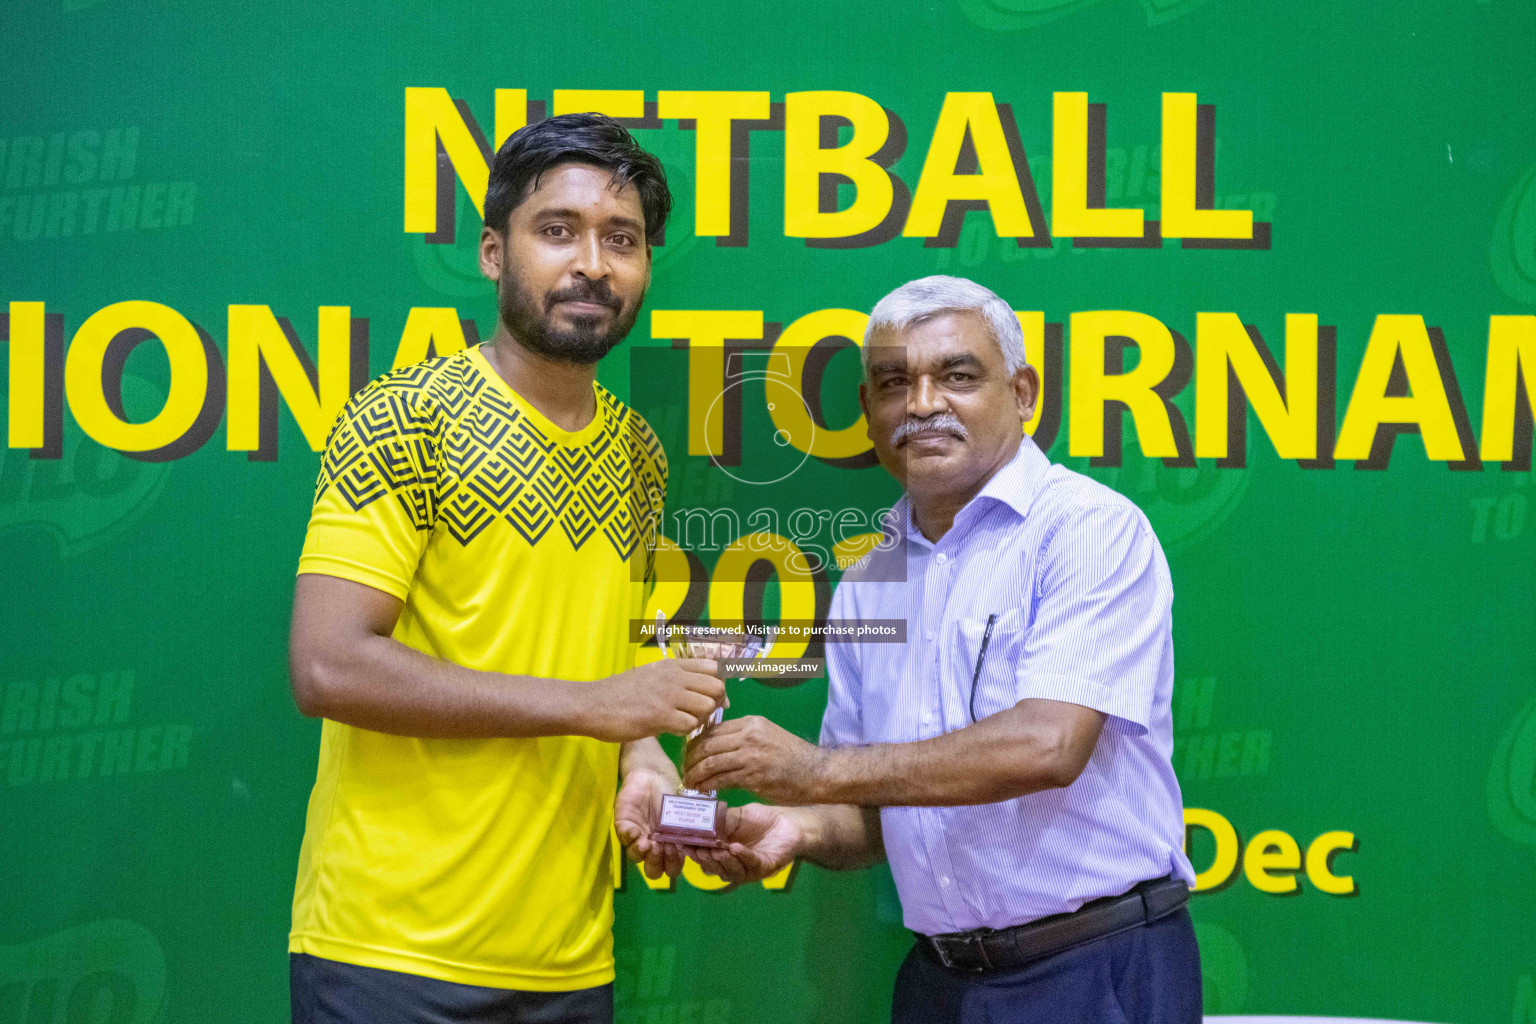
691, 819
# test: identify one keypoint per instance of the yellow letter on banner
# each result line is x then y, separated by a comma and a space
706, 331
256, 339
700, 879
1071, 217
1319, 870
995, 181
84, 386
797, 588
1225, 861
779, 880
430, 116
712, 113
511, 114
1033, 325
675, 583
1221, 341
1511, 360
1425, 404
805, 162
1270, 852
791, 415
431, 330
28, 352
1181, 218
1092, 387
613, 102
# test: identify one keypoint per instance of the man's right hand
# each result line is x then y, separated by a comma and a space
762, 840
675, 695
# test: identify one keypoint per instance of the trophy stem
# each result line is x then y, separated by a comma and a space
695, 817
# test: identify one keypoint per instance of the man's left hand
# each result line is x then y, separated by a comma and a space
635, 814
753, 753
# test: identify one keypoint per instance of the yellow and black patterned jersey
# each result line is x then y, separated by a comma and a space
517, 547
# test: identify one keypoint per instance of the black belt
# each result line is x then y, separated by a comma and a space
988, 949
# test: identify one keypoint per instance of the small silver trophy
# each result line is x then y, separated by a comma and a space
692, 817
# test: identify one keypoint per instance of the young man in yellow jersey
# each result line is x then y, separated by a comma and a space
461, 622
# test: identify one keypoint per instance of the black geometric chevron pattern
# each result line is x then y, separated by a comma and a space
443, 441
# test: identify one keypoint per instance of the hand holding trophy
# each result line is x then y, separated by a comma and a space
693, 817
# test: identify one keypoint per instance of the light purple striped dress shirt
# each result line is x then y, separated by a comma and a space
1083, 597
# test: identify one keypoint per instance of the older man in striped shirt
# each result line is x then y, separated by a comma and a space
1011, 758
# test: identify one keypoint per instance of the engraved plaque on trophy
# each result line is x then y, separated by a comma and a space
692, 817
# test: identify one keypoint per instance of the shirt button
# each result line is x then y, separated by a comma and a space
943, 558
944, 881
929, 634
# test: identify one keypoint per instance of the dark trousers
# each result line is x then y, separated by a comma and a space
1146, 975
329, 992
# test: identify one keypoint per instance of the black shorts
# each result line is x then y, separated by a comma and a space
330, 992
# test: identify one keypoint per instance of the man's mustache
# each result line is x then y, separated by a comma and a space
590, 291
942, 422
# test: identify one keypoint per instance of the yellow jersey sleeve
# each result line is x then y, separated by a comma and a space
375, 500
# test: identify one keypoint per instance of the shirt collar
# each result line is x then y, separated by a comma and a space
1013, 486
1016, 483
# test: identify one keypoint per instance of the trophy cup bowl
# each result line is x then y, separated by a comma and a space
692, 817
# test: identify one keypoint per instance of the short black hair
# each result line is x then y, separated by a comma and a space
594, 139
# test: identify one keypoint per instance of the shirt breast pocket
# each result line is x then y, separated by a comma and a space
996, 655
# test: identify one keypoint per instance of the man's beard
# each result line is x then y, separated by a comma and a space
583, 343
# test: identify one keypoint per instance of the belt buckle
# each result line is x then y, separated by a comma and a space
979, 938
970, 940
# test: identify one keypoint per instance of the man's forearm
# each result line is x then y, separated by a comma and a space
385, 686
1022, 750
647, 754
839, 836
346, 665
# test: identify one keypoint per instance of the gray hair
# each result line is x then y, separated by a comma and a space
927, 297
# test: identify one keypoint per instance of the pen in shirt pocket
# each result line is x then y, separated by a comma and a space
981, 658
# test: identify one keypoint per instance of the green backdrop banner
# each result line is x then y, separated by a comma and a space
1278, 266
